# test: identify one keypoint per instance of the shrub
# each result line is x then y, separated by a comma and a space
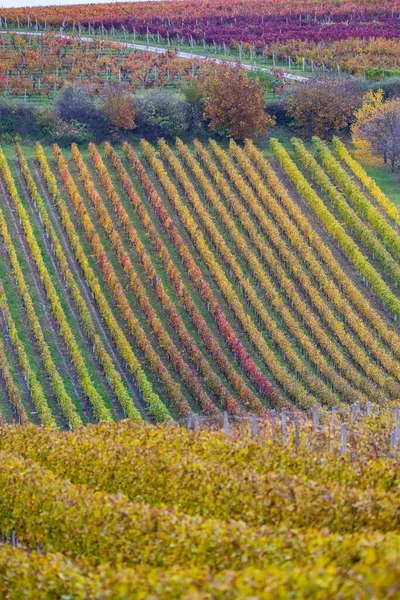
17, 119
159, 114
322, 106
234, 104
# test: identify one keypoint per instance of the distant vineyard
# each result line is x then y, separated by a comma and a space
345, 35
40, 66
130, 510
156, 283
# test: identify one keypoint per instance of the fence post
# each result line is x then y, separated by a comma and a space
189, 420
352, 412
296, 431
14, 541
254, 426
369, 408
284, 425
344, 438
316, 416
196, 422
226, 423
333, 417
397, 414
273, 415
393, 443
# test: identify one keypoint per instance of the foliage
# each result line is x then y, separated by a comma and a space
233, 104
17, 119
225, 516
119, 109
380, 132
159, 114
371, 104
321, 106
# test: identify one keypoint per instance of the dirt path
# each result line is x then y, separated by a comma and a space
87, 295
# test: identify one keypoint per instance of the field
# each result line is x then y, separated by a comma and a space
153, 283
137, 511
357, 37
199, 312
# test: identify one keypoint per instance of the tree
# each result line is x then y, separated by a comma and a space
234, 105
74, 103
120, 109
323, 106
159, 114
372, 102
381, 132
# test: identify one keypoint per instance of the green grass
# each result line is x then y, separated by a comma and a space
388, 182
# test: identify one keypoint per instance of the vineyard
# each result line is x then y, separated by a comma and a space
338, 36
157, 282
39, 67
130, 510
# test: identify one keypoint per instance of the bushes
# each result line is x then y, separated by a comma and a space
17, 119
159, 114
321, 106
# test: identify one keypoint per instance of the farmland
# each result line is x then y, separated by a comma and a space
199, 306
223, 516
136, 282
353, 37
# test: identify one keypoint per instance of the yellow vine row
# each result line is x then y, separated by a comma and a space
23, 573
287, 381
356, 297
13, 392
187, 375
366, 180
350, 248
365, 206
348, 214
100, 410
212, 379
111, 372
155, 405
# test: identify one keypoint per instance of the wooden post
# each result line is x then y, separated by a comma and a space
196, 422
296, 431
369, 408
254, 426
189, 420
284, 425
333, 417
344, 438
273, 415
315, 416
393, 442
226, 423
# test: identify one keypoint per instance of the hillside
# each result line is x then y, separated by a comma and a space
171, 279
136, 511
